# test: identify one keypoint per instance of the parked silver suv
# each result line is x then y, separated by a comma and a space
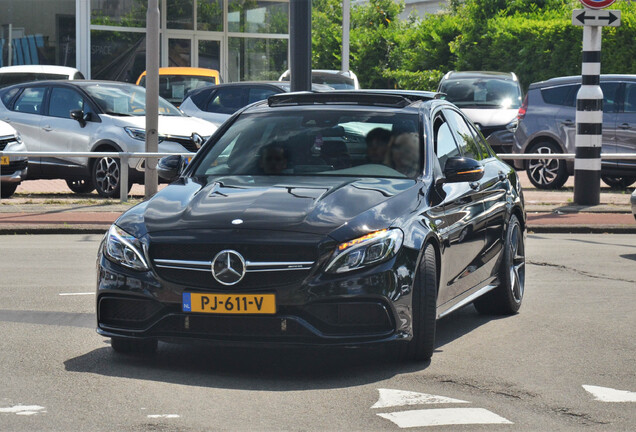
93, 116
547, 124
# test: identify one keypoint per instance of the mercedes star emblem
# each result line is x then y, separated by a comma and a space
228, 267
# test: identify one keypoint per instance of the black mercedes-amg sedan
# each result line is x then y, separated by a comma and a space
332, 218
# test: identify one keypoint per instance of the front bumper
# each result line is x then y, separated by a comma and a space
365, 307
15, 171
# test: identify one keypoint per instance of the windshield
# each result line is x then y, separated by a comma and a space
482, 92
175, 87
318, 142
126, 100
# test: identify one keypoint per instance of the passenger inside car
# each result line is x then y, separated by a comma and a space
274, 159
377, 144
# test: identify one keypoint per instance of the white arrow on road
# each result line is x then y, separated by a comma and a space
444, 416
606, 394
395, 398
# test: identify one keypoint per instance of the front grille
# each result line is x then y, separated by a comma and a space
128, 313
185, 142
251, 252
231, 327
4, 141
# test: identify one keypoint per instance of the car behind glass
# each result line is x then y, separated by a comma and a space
287, 229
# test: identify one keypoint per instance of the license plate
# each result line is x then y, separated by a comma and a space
4, 160
229, 303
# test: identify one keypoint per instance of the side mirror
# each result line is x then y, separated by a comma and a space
462, 169
79, 116
170, 168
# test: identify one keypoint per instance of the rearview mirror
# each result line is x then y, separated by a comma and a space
170, 168
462, 169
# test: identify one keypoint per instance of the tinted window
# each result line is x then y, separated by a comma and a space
257, 94
227, 100
30, 101
562, 95
8, 95
63, 101
313, 142
630, 98
610, 96
469, 145
445, 145
11, 78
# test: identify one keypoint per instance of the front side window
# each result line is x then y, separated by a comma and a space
63, 101
469, 145
316, 142
227, 100
445, 145
30, 101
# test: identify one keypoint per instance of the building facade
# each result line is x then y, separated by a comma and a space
106, 39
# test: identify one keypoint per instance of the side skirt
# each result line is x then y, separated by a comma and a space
476, 293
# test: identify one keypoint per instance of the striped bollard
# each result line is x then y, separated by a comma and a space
589, 122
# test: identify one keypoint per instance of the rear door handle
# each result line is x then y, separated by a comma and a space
625, 126
47, 128
567, 123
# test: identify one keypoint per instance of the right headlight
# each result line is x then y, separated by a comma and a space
370, 249
125, 249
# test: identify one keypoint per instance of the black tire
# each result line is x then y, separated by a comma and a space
507, 297
106, 175
134, 346
81, 186
422, 345
620, 183
546, 173
7, 189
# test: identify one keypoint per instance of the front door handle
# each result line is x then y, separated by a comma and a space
6, 119
624, 126
568, 123
47, 128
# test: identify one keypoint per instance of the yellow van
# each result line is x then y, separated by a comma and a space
175, 82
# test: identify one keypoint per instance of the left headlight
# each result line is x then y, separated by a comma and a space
125, 249
367, 250
139, 134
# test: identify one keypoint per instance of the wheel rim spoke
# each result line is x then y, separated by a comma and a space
517, 264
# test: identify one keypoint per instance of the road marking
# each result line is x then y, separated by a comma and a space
444, 416
76, 294
395, 398
164, 416
23, 410
605, 394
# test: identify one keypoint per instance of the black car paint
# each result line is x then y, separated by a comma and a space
465, 222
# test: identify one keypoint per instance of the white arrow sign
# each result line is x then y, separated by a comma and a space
593, 17
605, 394
395, 398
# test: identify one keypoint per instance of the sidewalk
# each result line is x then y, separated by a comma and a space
48, 206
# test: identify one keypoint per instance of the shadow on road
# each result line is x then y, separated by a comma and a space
280, 369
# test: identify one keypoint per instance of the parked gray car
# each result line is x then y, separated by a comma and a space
547, 124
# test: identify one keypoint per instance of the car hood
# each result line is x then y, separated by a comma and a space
169, 125
6, 129
300, 204
490, 117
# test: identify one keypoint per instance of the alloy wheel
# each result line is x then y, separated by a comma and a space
543, 171
517, 261
107, 175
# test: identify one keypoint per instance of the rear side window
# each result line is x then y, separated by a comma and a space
30, 101
8, 95
259, 93
227, 100
561, 95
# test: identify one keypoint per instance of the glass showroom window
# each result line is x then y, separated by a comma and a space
117, 55
210, 15
256, 58
44, 36
120, 13
258, 16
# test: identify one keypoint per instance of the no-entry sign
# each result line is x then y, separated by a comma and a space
597, 4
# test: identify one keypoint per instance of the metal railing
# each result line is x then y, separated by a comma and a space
126, 156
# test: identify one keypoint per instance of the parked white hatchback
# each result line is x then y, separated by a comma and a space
13, 169
10, 75
93, 116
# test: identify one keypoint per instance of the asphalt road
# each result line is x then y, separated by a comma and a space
520, 373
